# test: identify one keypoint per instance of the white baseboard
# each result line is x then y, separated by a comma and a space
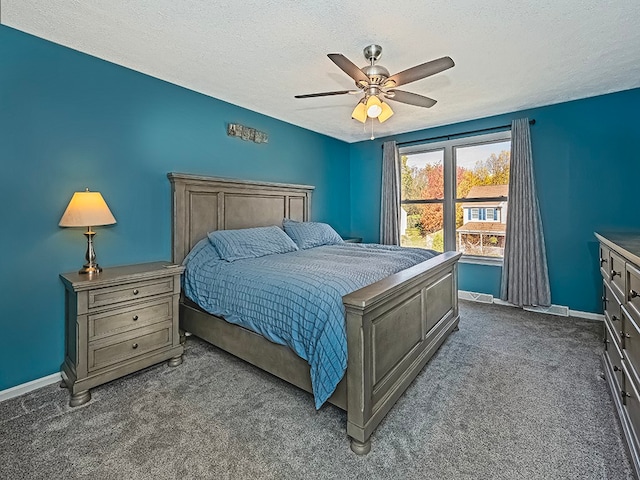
29, 386
587, 315
559, 310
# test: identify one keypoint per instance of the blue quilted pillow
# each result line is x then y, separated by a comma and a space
311, 234
251, 242
202, 249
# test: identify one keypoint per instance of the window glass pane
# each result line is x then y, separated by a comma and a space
482, 171
484, 238
422, 226
481, 165
423, 175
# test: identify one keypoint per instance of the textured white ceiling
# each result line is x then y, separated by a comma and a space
258, 54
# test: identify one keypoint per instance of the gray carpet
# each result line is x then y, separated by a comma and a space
512, 395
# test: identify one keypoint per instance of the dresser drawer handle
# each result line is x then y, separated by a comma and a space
603, 260
614, 318
616, 369
135, 318
633, 294
605, 300
134, 346
614, 273
624, 335
624, 394
135, 291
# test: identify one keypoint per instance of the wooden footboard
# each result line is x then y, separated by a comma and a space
394, 326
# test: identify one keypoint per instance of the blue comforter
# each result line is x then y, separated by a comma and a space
295, 298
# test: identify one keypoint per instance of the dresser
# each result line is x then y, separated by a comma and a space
118, 322
620, 269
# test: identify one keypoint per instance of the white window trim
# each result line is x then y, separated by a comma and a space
493, 214
449, 211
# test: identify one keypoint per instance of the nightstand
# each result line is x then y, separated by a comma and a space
117, 322
353, 239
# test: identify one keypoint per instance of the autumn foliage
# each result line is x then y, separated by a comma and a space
428, 183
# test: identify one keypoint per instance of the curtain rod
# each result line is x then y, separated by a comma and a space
448, 137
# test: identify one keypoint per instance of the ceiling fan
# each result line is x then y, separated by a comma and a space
378, 85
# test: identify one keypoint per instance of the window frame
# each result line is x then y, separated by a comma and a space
450, 198
493, 214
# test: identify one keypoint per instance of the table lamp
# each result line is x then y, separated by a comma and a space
87, 209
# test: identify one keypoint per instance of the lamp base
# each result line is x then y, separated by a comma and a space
90, 269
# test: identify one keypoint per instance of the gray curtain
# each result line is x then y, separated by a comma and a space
390, 197
525, 278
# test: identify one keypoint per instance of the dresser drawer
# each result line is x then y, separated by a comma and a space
128, 318
605, 268
633, 292
130, 291
614, 356
631, 400
612, 314
617, 274
631, 344
122, 347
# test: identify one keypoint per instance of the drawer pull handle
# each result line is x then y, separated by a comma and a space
135, 291
605, 300
616, 369
614, 273
633, 294
603, 260
135, 317
624, 394
614, 318
624, 335
134, 346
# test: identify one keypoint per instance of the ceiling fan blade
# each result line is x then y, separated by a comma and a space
419, 71
326, 94
411, 98
348, 67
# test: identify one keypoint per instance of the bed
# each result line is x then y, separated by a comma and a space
393, 326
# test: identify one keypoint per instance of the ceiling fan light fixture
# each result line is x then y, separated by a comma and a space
360, 112
374, 106
386, 112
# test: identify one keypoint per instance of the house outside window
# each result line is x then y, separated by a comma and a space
455, 195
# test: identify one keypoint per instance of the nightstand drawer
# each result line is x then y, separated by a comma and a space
125, 346
130, 291
129, 318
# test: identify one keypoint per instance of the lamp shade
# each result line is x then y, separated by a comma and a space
386, 112
360, 112
87, 209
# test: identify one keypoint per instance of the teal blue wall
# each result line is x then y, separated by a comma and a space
70, 121
586, 162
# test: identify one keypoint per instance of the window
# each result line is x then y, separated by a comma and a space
455, 195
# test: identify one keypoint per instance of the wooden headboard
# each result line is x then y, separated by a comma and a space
203, 204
